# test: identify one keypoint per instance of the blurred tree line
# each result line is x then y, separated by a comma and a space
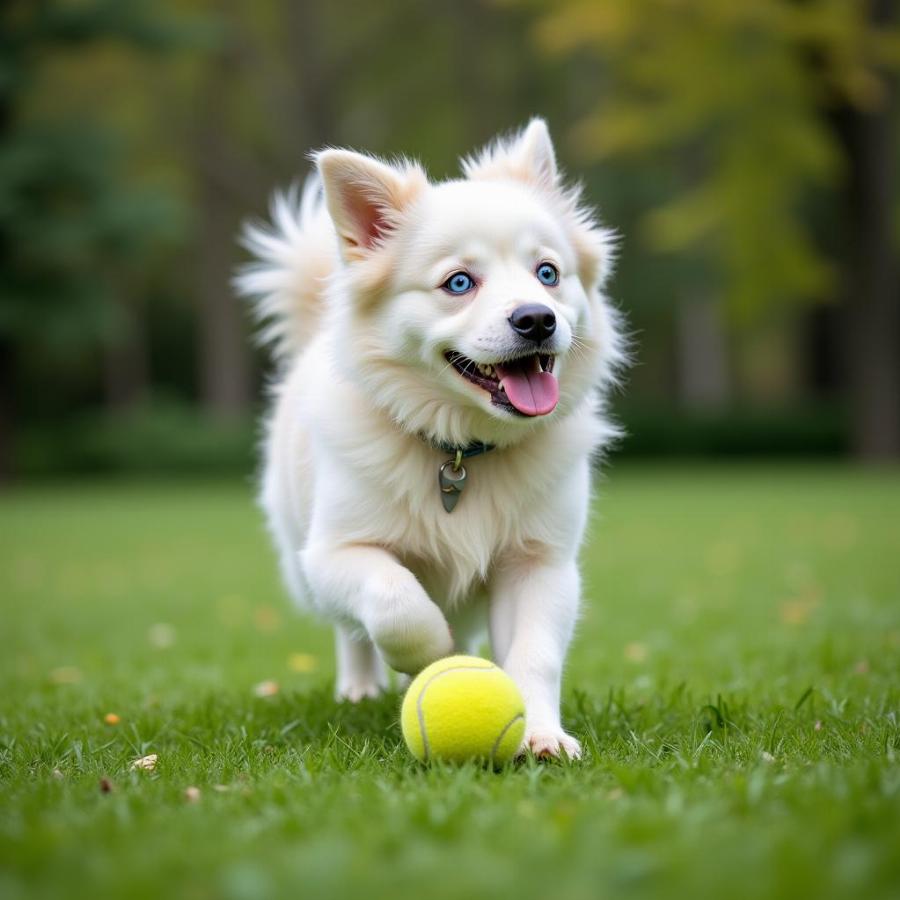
746, 152
776, 121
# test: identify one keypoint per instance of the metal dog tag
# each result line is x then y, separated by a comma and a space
452, 480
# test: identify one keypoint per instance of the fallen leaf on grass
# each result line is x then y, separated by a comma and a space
148, 763
302, 662
266, 618
106, 786
112, 719
798, 610
266, 689
192, 794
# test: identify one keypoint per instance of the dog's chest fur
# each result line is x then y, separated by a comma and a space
367, 482
504, 510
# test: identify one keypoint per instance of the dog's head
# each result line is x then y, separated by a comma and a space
470, 309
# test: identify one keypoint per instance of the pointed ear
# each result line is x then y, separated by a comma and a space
527, 156
366, 197
535, 151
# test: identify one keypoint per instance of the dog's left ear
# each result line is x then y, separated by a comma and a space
527, 156
366, 197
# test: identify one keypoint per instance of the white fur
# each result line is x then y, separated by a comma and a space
350, 290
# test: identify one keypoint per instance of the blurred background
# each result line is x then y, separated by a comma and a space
746, 153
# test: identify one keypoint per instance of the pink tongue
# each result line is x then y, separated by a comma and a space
531, 393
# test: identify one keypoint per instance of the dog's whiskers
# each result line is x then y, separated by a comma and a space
580, 349
452, 358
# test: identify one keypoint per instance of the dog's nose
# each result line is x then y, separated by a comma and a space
534, 321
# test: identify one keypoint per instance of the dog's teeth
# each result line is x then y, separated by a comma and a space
536, 364
485, 370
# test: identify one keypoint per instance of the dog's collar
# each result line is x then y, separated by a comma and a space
452, 474
474, 448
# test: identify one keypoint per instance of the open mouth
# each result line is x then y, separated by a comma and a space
525, 386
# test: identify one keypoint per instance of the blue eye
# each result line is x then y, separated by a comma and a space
459, 283
547, 274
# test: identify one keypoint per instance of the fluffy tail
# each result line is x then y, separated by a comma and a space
294, 256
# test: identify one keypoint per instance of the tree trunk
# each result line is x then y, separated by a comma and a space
224, 357
126, 369
314, 77
872, 296
231, 184
225, 374
823, 360
701, 355
7, 368
6, 410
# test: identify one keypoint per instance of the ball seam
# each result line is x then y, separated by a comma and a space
506, 728
420, 713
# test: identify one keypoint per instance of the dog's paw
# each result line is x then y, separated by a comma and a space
550, 743
411, 635
354, 692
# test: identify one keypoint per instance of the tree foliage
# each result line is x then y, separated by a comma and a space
135, 135
73, 226
734, 97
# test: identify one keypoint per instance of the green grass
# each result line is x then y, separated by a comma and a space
734, 679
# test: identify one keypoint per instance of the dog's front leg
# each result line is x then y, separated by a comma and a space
534, 605
360, 670
367, 585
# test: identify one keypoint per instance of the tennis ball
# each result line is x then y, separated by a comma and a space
463, 707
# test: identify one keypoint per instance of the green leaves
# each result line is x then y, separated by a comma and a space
732, 98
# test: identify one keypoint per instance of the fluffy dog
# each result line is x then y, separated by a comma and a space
445, 348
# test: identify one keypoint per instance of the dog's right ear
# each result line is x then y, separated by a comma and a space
526, 156
365, 197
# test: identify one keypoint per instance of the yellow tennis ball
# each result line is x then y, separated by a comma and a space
463, 707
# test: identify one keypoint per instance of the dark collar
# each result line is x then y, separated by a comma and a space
475, 448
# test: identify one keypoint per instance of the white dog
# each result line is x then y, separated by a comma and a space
428, 460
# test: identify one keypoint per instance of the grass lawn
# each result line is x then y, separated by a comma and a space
735, 681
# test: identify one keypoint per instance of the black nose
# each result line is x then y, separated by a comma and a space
533, 321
